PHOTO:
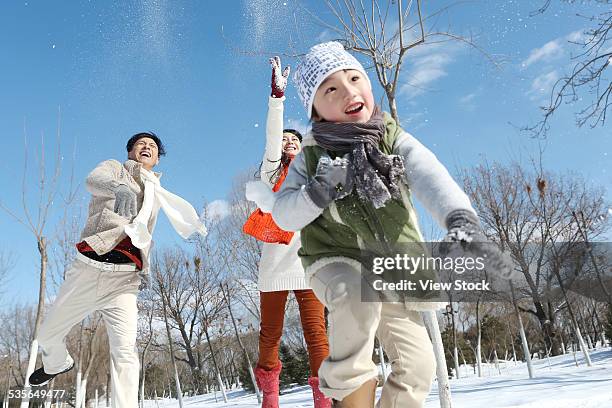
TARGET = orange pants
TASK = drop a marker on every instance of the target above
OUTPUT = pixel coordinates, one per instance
(271, 327)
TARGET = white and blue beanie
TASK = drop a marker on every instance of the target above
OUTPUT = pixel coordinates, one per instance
(322, 61)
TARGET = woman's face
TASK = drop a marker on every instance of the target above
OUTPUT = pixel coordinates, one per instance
(344, 96)
(291, 144)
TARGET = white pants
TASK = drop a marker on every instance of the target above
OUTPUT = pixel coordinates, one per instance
(354, 324)
(85, 290)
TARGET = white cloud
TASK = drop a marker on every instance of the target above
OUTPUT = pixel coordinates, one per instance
(543, 84)
(216, 210)
(427, 65)
(554, 49)
(467, 101)
(467, 98)
(548, 52)
(414, 120)
(576, 36)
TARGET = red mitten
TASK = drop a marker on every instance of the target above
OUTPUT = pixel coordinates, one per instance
(279, 79)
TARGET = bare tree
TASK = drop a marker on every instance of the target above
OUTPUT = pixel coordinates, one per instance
(35, 216)
(527, 211)
(208, 274)
(524, 341)
(227, 295)
(89, 335)
(165, 298)
(589, 79)
(172, 270)
(15, 337)
(240, 251)
(37, 223)
(7, 262)
(145, 337)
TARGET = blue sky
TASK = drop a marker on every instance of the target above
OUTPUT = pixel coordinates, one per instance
(196, 73)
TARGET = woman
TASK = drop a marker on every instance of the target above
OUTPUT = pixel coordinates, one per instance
(280, 269)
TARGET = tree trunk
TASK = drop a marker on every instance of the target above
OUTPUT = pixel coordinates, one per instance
(177, 382)
(83, 393)
(478, 340)
(526, 351)
(392, 106)
(142, 377)
(142, 364)
(383, 366)
(431, 322)
(31, 364)
(244, 350)
(77, 390)
(496, 361)
(573, 319)
(214, 360)
(49, 399)
(107, 388)
(455, 354)
(242, 347)
(583, 346)
(42, 250)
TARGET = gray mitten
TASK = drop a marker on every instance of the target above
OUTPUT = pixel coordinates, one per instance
(125, 201)
(464, 229)
(333, 180)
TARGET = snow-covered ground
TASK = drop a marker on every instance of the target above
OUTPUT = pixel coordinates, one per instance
(558, 384)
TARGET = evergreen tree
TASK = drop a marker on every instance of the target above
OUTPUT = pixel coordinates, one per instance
(302, 367)
(289, 363)
(295, 366)
(492, 328)
(463, 349)
(245, 377)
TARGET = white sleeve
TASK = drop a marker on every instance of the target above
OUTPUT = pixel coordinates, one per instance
(104, 179)
(429, 180)
(274, 139)
(293, 208)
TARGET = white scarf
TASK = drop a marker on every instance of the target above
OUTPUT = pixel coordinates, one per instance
(181, 214)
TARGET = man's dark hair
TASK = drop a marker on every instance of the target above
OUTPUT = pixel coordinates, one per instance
(160, 146)
(293, 132)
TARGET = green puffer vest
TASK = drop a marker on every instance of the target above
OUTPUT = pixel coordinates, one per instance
(350, 226)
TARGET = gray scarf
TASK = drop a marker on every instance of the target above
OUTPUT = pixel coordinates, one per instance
(377, 175)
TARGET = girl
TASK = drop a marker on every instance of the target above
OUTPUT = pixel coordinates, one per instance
(280, 269)
(349, 191)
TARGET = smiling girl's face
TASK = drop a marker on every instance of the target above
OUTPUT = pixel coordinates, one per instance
(344, 96)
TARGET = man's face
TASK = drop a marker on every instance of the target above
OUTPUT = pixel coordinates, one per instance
(344, 96)
(146, 152)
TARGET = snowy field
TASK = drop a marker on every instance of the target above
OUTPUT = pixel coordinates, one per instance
(558, 384)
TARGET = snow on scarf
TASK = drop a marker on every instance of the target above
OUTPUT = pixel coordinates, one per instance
(377, 175)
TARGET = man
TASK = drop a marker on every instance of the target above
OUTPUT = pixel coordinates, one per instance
(109, 264)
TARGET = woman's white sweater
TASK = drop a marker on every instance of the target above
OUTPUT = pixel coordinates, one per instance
(280, 267)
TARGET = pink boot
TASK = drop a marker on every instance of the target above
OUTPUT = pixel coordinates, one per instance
(268, 383)
(320, 400)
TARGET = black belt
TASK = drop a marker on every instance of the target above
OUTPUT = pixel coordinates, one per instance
(113, 256)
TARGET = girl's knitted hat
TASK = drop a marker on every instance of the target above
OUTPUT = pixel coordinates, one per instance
(322, 61)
